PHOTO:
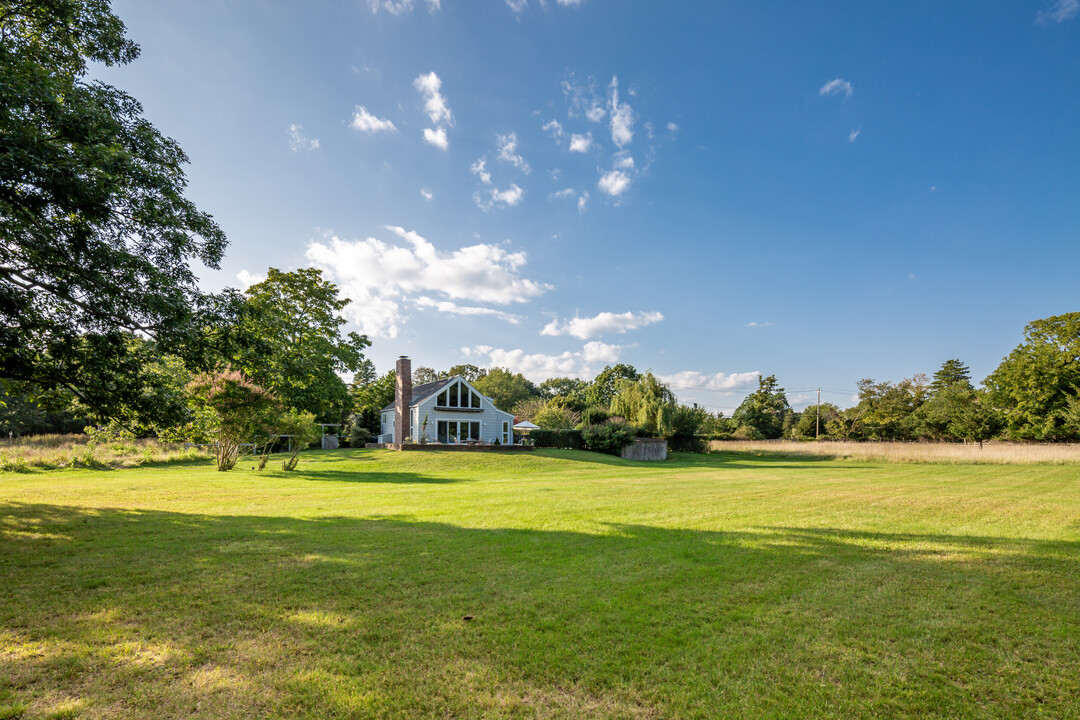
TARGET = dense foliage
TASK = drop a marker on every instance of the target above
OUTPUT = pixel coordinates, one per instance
(97, 236)
(297, 348)
(610, 438)
(566, 439)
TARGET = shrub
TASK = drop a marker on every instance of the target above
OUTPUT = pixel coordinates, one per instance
(610, 438)
(359, 436)
(594, 416)
(688, 443)
(566, 439)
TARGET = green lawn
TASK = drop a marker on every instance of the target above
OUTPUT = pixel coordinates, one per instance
(707, 586)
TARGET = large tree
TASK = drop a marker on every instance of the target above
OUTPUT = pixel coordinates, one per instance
(505, 388)
(294, 317)
(764, 409)
(1034, 384)
(602, 389)
(97, 236)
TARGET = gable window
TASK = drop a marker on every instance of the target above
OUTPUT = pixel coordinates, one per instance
(458, 395)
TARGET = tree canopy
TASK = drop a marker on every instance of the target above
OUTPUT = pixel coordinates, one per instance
(763, 410)
(1033, 384)
(97, 234)
(505, 388)
(294, 319)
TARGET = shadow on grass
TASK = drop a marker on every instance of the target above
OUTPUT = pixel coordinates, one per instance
(159, 614)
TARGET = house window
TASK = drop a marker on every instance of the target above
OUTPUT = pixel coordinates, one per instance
(506, 433)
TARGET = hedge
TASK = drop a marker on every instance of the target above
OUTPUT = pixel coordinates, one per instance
(566, 439)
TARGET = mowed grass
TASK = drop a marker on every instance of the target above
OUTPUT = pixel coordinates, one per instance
(707, 586)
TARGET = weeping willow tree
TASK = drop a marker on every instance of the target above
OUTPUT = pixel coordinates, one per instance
(647, 403)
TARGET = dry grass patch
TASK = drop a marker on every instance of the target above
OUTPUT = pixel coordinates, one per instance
(55, 452)
(989, 453)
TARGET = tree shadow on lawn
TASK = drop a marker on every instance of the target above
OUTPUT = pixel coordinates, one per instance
(159, 614)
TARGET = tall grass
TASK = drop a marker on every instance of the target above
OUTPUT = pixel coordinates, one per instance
(48, 452)
(989, 453)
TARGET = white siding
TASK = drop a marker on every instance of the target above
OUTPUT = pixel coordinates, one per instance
(491, 418)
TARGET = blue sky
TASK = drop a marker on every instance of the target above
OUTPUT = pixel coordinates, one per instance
(820, 191)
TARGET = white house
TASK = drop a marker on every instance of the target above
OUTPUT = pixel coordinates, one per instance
(445, 411)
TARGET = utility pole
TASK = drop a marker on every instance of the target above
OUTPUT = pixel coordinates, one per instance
(817, 429)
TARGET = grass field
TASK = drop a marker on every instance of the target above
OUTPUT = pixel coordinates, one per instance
(707, 586)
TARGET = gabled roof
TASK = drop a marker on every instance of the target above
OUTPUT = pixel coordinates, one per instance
(423, 392)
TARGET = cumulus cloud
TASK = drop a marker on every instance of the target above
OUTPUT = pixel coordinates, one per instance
(854, 135)
(1059, 12)
(758, 324)
(672, 127)
(838, 86)
(400, 7)
(622, 117)
(507, 145)
(582, 99)
(394, 7)
(693, 380)
(614, 183)
(494, 197)
(605, 322)
(581, 143)
(297, 140)
(437, 138)
(435, 105)
(445, 306)
(427, 193)
(366, 122)
(379, 276)
(479, 169)
(518, 6)
(554, 127)
(539, 367)
(582, 202)
(248, 279)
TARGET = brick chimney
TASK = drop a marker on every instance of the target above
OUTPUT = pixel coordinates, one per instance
(402, 399)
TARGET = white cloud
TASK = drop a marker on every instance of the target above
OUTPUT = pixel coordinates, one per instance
(672, 127)
(854, 134)
(566, 193)
(510, 196)
(394, 7)
(623, 161)
(518, 6)
(837, 87)
(437, 138)
(427, 193)
(434, 5)
(581, 143)
(567, 3)
(555, 128)
(507, 145)
(622, 118)
(297, 140)
(366, 122)
(693, 380)
(605, 322)
(445, 306)
(378, 276)
(758, 324)
(583, 99)
(479, 169)
(539, 367)
(248, 279)
(582, 202)
(614, 183)
(435, 105)
(1059, 12)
